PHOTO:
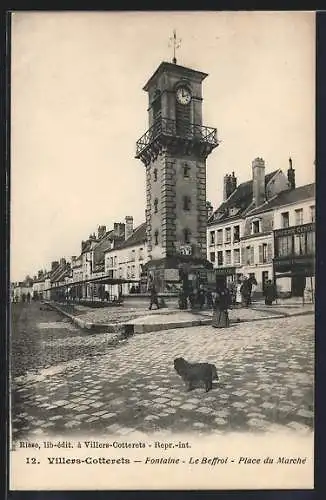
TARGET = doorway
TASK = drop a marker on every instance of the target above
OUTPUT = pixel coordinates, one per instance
(298, 284)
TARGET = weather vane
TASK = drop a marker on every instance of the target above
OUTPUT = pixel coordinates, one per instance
(175, 42)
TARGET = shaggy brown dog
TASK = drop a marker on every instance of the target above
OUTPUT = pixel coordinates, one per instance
(193, 373)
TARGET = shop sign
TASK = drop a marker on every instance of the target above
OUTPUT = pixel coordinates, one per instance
(171, 275)
(225, 271)
(288, 231)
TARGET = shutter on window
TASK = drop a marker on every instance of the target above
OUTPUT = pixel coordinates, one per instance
(252, 256)
(260, 248)
(269, 252)
(243, 256)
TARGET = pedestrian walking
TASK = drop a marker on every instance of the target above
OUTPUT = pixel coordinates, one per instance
(222, 304)
(154, 298)
(210, 302)
(238, 296)
(245, 291)
(269, 293)
(201, 297)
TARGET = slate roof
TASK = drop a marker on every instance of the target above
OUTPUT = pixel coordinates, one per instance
(138, 236)
(240, 199)
(60, 273)
(287, 197)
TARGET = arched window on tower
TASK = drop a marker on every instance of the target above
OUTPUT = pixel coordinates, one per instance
(156, 237)
(186, 235)
(155, 205)
(186, 202)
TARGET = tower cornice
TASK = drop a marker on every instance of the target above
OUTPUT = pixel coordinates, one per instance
(183, 71)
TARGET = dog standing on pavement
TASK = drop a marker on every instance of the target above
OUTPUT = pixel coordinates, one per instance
(194, 373)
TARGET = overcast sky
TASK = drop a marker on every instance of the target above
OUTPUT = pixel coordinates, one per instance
(78, 108)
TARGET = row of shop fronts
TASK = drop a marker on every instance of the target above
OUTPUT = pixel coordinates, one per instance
(292, 268)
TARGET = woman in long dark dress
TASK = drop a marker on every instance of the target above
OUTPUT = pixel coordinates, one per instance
(269, 293)
(222, 303)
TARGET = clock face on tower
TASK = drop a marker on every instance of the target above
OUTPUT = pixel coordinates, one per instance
(183, 95)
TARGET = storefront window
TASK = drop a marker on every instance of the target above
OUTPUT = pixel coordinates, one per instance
(284, 246)
(299, 244)
(310, 243)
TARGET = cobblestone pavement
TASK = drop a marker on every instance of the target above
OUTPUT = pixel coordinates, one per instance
(40, 339)
(266, 382)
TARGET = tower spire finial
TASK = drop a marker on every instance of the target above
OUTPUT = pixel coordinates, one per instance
(175, 42)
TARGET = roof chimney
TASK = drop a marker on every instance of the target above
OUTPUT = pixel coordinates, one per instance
(54, 265)
(291, 175)
(129, 226)
(209, 208)
(230, 185)
(258, 182)
(101, 230)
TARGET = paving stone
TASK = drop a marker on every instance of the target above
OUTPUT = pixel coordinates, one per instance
(161, 400)
(259, 423)
(187, 406)
(268, 406)
(299, 427)
(205, 410)
(239, 404)
(96, 405)
(220, 421)
(305, 413)
(92, 419)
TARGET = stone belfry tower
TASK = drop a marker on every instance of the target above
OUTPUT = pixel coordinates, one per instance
(174, 151)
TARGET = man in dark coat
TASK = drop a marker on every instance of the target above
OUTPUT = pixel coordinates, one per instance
(245, 291)
(154, 298)
(222, 303)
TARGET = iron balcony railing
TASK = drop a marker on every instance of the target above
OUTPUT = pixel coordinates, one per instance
(172, 128)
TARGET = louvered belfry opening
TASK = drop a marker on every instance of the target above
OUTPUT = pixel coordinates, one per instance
(157, 113)
(183, 119)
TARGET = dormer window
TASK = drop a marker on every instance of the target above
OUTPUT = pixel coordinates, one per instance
(255, 227)
(155, 205)
(186, 203)
(236, 234)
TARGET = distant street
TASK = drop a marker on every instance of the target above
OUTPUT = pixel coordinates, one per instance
(65, 380)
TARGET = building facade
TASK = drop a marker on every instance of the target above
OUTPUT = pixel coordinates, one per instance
(125, 261)
(239, 239)
(294, 243)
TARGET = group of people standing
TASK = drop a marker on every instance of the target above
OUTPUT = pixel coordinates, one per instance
(25, 297)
